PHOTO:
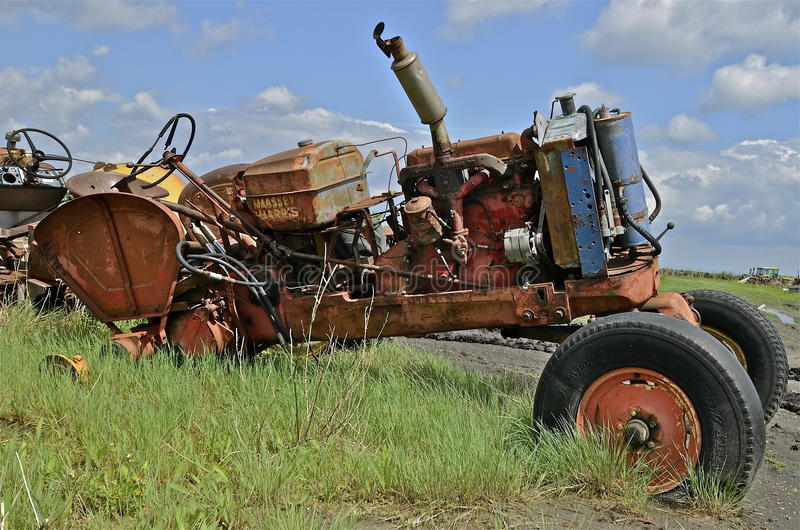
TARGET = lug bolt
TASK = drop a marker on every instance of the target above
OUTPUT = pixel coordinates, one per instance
(634, 412)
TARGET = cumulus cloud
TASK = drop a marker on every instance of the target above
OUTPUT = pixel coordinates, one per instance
(590, 93)
(461, 16)
(56, 95)
(216, 34)
(683, 129)
(741, 202)
(753, 84)
(144, 105)
(691, 33)
(108, 15)
(226, 156)
(69, 100)
(275, 97)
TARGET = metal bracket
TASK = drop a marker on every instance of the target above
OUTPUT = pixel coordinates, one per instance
(579, 180)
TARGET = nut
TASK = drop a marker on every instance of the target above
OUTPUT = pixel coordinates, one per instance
(528, 315)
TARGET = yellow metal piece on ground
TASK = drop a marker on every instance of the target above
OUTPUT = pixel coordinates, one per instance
(173, 184)
(302, 349)
(77, 367)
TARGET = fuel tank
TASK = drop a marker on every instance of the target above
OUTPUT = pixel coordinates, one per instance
(304, 188)
(617, 142)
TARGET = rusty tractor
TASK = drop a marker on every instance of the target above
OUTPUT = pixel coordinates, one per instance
(524, 232)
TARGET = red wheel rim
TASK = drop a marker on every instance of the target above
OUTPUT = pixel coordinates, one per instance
(652, 414)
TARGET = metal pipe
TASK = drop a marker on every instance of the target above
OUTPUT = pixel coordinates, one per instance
(417, 85)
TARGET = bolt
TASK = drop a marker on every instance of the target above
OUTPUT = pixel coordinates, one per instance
(528, 315)
(650, 445)
(634, 412)
(560, 312)
(652, 424)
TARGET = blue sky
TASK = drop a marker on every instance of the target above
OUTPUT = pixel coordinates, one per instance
(713, 87)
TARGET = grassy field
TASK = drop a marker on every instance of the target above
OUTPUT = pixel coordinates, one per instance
(772, 296)
(381, 433)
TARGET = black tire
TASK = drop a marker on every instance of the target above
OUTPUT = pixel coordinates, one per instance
(727, 405)
(758, 339)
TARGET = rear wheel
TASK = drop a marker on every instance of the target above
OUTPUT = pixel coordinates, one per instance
(751, 338)
(663, 386)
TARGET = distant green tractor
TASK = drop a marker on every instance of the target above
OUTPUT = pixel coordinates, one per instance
(763, 275)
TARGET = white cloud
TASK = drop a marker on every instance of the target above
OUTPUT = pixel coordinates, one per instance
(691, 33)
(215, 34)
(77, 135)
(461, 16)
(106, 15)
(753, 84)
(101, 50)
(682, 129)
(144, 105)
(275, 98)
(69, 100)
(743, 202)
(590, 93)
(225, 156)
(55, 96)
(719, 212)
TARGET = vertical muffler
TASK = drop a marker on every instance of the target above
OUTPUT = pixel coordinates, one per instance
(409, 70)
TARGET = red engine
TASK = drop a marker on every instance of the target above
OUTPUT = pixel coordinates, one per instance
(458, 232)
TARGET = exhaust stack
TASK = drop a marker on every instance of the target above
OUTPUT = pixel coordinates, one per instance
(409, 70)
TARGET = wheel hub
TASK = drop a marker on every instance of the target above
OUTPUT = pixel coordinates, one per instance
(652, 415)
(636, 433)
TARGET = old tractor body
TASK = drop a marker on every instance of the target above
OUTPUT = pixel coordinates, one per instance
(524, 232)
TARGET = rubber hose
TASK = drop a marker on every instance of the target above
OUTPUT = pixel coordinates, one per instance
(654, 191)
(264, 301)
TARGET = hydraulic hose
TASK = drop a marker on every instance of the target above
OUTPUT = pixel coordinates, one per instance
(623, 210)
(213, 275)
(654, 191)
(248, 280)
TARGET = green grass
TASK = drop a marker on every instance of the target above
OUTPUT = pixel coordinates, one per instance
(712, 496)
(772, 296)
(378, 433)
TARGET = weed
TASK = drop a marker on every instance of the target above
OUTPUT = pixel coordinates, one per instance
(284, 441)
(712, 495)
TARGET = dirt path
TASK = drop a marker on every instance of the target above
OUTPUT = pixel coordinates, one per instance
(774, 500)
